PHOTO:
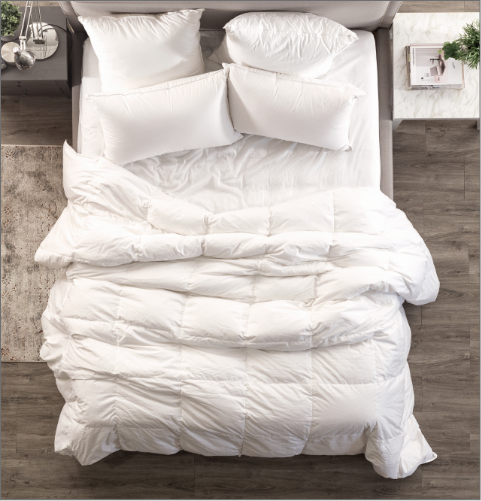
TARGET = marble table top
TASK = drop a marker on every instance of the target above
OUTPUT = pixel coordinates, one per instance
(431, 103)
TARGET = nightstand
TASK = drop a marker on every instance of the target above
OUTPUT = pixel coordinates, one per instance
(46, 77)
(431, 103)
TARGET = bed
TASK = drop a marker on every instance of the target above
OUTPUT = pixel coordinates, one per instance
(238, 299)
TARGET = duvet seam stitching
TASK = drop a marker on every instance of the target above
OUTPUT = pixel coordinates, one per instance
(116, 372)
(182, 426)
(246, 386)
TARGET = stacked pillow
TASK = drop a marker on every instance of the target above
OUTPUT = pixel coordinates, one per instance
(283, 42)
(183, 114)
(138, 51)
(157, 99)
(289, 107)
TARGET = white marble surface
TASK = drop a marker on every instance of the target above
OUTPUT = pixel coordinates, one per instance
(435, 103)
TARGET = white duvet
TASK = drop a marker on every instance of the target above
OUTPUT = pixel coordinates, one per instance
(268, 331)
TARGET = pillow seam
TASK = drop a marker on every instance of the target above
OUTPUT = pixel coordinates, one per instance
(136, 91)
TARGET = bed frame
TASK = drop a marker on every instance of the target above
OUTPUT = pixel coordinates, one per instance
(375, 16)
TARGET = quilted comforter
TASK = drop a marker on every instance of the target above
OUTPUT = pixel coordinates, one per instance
(269, 331)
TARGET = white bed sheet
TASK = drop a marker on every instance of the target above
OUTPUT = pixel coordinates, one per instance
(258, 171)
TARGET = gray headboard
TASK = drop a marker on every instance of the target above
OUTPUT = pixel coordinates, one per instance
(358, 14)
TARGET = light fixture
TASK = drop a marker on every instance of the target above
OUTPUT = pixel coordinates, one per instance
(43, 40)
(24, 59)
(38, 40)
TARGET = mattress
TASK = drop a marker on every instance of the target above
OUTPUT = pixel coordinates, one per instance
(258, 171)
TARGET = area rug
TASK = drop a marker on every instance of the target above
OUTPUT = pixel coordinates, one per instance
(32, 200)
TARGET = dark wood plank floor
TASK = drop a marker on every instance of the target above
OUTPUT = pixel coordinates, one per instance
(436, 182)
(36, 120)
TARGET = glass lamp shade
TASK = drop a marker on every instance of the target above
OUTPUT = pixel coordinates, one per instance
(43, 40)
(24, 59)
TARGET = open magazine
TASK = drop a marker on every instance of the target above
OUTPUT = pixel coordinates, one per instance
(427, 68)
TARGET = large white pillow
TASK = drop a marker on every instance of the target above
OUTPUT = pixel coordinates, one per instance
(285, 42)
(291, 107)
(184, 114)
(138, 51)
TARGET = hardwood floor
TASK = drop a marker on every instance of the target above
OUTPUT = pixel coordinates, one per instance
(36, 120)
(436, 182)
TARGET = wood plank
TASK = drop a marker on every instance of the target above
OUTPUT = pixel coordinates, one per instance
(474, 264)
(36, 120)
(451, 436)
(451, 259)
(36, 425)
(32, 381)
(451, 393)
(446, 125)
(410, 136)
(471, 171)
(300, 477)
(452, 139)
(474, 349)
(474, 442)
(449, 431)
(431, 6)
(9, 428)
(440, 349)
(470, 6)
(451, 223)
(123, 475)
(449, 485)
(428, 178)
(456, 304)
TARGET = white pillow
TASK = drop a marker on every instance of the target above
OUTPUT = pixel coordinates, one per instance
(284, 42)
(174, 116)
(290, 107)
(139, 51)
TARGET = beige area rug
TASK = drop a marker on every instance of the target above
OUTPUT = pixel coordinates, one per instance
(32, 201)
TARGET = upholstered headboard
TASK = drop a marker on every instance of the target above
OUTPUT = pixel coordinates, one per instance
(375, 16)
(361, 15)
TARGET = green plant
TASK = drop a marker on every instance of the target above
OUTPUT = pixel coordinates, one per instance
(466, 47)
(10, 18)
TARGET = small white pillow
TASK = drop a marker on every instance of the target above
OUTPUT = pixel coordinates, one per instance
(139, 51)
(173, 116)
(291, 108)
(285, 42)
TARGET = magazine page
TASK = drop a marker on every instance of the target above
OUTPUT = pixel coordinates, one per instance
(428, 67)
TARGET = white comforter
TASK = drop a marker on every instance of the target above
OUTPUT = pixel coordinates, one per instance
(268, 331)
